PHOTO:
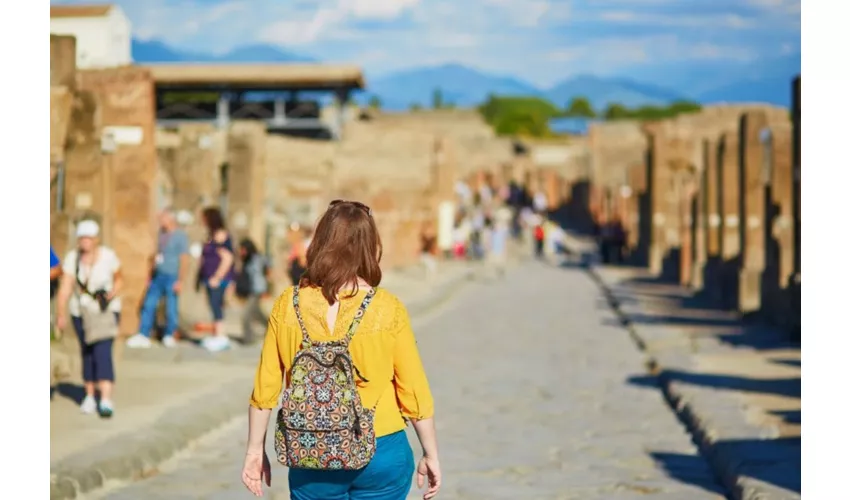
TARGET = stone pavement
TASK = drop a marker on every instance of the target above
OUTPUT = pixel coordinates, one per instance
(531, 379)
(167, 398)
(736, 385)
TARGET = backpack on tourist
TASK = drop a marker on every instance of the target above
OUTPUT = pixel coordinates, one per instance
(322, 424)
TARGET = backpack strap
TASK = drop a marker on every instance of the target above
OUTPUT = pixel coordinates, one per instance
(358, 316)
(305, 337)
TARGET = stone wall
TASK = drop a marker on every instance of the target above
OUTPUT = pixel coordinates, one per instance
(715, 202)
(125, 98)
(120, 188)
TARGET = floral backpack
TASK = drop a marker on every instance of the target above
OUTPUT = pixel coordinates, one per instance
(322, 423)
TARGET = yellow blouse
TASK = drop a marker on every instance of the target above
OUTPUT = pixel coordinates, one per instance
(383, 350)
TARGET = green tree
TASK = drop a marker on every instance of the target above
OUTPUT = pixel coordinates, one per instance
(415, 106)
(616, 111)
(681, 107)
(527, 116)
(437, 99)
(375, 102)
(580, 107)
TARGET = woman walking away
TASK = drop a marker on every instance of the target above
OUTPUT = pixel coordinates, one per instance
(251, 284)
(360, 398)
(90, 284)
(216, 273)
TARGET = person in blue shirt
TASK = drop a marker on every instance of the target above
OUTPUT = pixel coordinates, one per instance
(55, 267)
(169, 269)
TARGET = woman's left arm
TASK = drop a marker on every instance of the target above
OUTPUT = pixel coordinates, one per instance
(226, 256)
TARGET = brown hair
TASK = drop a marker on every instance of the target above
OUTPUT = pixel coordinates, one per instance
(345, 246)
(213, 220)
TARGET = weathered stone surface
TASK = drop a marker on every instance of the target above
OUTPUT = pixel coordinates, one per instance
(125, 98)
(730, 239)
(63, 61)
(752, 210)
(61, 103)
(246, 174)
(706, 382)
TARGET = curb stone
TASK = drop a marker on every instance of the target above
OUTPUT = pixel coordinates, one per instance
(133, 456)
(715, 419)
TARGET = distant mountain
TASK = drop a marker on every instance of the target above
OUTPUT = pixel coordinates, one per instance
(603, 91)
(766, 80)
(154, 51)
(459, 85)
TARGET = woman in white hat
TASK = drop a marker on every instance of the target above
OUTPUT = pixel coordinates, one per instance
(91, 282)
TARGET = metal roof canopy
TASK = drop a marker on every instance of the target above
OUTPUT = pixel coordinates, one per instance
(180, 76)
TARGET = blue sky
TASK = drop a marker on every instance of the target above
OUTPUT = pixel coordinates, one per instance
(542, 41)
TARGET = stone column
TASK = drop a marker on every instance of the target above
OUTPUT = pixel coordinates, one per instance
(689, 232)
(550, 189)
(126, 99)
(659, 189)
(246, 200)
(795, 288)
(700, 219)
(195, 174)
(636, 189)
(751, 211)
(223, 111)
(782, 180)
(797, 176)
(779, 245)
(730, 239)
(711, 219)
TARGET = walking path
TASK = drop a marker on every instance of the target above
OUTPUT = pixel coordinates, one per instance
(531, 377)
(166, 398)
(736, 385)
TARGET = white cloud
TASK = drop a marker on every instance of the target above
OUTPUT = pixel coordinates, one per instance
(678, 21)
(376, 9)
(327, 20)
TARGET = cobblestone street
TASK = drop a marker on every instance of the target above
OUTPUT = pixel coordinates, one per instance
(530, 376)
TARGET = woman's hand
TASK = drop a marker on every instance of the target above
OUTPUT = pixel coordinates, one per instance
(61, 322)
(214, 282)
(256, 471)
(429, 468)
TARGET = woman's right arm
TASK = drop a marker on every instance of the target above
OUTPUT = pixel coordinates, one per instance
(268, 382)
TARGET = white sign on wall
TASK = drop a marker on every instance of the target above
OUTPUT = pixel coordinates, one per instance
(124, 135)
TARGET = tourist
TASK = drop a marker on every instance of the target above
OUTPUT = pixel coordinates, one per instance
(252, 282)
(216, 273)
(55, 272)
(167, 275)
(90, 286)
(498, 252)
(55, 265)
(338, 301)
(539, 236)
(428, 249)
(297, 261)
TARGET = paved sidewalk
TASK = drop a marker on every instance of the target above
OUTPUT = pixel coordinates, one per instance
(737, 386)
(167, 398)
(531, 380)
